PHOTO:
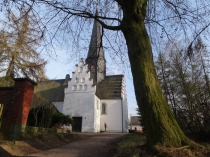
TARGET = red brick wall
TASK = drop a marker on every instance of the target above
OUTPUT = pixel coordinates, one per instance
(4, 93)
(16, 102)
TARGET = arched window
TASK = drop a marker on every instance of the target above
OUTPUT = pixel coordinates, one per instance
(74, 87)
(77, 80)
(81, 69)
(85, 87)
(83, 80)
(80, 87)
(103, 109)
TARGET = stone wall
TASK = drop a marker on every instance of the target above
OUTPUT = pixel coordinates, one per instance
(30, 129)
(16, 101)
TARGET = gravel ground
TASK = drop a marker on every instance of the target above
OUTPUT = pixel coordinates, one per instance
(94, 145)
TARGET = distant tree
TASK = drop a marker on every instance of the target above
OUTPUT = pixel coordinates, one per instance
(184, 81)
(142, 123)
(19, 39)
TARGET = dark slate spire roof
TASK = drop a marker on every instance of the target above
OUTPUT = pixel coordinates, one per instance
(95, 58)
(95, 47)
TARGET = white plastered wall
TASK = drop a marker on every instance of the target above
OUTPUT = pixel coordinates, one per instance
(97, 114)
(113, 116)
(81, 102)
(125, 106)
(116, 116)
(137, 127)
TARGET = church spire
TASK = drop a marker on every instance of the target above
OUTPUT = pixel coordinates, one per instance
(95, 58)
(95, 47)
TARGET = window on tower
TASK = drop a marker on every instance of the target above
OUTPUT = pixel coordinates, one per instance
(81, 69)
(92, 68)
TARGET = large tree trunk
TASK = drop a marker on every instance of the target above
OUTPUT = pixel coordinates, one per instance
(160, 124)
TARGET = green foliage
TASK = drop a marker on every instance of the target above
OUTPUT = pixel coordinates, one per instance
(60, 118)
(41, 116)
(6, 82)
(45, 114)
(141, 120)
(185, 84)
(132, 141)
(19, 39)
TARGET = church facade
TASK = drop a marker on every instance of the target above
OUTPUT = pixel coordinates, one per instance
(95, 101)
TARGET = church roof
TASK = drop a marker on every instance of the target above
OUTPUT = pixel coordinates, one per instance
(95, 48)
(135, 120)
(52, 90)
(110, 87)
(38, 100)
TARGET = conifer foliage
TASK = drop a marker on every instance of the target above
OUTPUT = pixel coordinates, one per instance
(19, 38)
(185, 84)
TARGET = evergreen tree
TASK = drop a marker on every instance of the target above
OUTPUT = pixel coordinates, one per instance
(186, 87)
(19, 39)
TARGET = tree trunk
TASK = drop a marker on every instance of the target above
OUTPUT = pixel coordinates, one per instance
(160, 124)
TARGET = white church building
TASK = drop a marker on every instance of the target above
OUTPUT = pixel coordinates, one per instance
(90, 97)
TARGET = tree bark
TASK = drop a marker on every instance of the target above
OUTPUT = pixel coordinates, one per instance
(160, 124)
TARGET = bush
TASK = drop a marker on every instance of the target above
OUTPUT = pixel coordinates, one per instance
(61, 119)
(47, 116)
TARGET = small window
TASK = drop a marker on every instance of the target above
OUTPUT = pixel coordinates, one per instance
(103, 109)
(80, 87)
(74, 87)
(85, 87)
(81, 69)
(83, 80)
(92, 68)
(77, 80)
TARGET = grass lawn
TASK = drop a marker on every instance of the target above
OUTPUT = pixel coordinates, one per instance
(129, 146)
(133, 145)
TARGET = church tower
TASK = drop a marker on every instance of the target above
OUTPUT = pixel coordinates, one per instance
(96, 58)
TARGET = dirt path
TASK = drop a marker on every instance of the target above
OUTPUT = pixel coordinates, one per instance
(95, 145)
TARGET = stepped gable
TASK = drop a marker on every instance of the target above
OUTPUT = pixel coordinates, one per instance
(52, 90)
(110, 87)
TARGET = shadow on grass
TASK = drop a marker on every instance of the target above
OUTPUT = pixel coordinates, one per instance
(130, 144)
(4, 153)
